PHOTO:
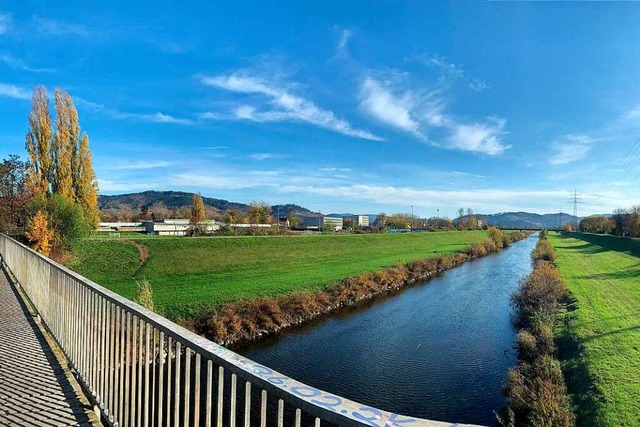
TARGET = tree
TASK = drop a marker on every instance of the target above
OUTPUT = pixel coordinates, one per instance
(38, 143)
(294, 221)
(86, 183)
(65, 145)
(259, 213)
(159, 211)
(39, 233)
(597, 224)
(347, 222)
(618, 218)
(13, 194)
(380, 221)
(197, 209)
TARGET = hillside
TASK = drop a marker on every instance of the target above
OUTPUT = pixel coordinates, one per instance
(526, 220)
(176, 199)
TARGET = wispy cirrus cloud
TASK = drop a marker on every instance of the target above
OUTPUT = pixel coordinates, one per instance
(19, 64)
(262, 156)
(343, 42)
(121, 164)
(16, 92)
(157, 117)
(570, 148)
(454, 72)
(5, 23)
(280, 104)
(54, 27)
(417, 112)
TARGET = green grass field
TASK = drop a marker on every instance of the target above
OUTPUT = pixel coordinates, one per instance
(603, 274)
(192, 275)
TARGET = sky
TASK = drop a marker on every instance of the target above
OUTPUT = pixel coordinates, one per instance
(358, 106)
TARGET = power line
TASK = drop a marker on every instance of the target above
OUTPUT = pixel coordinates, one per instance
(576, 201)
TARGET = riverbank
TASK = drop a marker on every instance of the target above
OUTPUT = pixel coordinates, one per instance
(192, 276)
(600, 333)
(251, 319)
(535, 389)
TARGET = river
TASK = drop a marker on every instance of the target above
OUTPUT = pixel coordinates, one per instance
(439, 350)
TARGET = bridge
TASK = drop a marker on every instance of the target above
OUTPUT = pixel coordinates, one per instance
(75, 353)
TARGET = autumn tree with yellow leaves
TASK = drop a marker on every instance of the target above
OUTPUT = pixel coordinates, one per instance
(61, 173)
(40, 234)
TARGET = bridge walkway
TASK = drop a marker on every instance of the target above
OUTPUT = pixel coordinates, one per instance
(35, 388)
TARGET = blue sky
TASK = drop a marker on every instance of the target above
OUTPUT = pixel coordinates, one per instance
(342, 106)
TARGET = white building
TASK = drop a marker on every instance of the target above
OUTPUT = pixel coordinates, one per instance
(360, 220)
(336, 221)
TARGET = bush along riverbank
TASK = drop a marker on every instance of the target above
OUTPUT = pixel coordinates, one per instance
(248, 320)
(536, 391)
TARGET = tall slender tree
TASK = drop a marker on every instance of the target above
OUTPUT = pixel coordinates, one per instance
(38, 143)
(65, 146)
(86, 183)
(197, 209)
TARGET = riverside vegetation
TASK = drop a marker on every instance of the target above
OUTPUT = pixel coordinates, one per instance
(248, 320)
(599, 335)
(535, 390)
(198, 279)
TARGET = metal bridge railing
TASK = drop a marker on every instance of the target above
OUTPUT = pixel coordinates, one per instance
(143, 370)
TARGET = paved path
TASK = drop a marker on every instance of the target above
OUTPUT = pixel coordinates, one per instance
(35, 390)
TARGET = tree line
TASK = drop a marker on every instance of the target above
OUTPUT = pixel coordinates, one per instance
(50, 199)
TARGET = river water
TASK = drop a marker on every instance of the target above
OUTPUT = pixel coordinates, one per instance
(439, 350)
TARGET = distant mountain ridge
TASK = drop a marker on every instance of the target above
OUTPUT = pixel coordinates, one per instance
(527, 220)
(176, 199)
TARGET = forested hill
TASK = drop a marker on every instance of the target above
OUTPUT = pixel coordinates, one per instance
(176, 199)
(527, 220)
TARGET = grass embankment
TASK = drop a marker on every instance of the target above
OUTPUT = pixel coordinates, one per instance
(191, 276)
(601, 331)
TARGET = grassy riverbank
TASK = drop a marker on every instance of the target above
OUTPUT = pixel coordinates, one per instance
(601, 337)
(190, 276)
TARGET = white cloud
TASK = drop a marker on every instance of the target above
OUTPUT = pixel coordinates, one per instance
(106, 185)
(285, 106)
(53, 27)
(479, 137)
(145, 117)
(334, 169)
(120, 164)
(570, 148)
(416, 112)
(19, 64)
(262, 156)
(12, 91)
(5, 23)
(343, 41)
(388, 108)
(478, 85)
(444, 65)
(633, 114)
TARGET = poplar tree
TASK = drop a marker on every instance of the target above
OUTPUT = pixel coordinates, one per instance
(86, 184)
(38, 143)
(197, 209)
(65, 146)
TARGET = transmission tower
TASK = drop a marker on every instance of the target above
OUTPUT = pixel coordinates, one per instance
(576, 201)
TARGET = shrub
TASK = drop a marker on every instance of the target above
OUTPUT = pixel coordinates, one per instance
(543, 252)
(538, 395)
(144, 294)
(496, 235)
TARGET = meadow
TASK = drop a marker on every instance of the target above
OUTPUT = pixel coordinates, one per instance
(600, 333)
(190, 276)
